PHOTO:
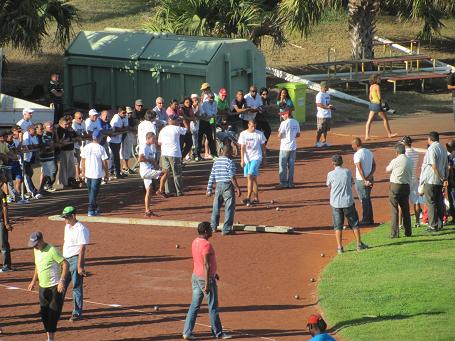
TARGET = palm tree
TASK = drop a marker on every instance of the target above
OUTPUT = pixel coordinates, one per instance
(362, 26)
(24, 23)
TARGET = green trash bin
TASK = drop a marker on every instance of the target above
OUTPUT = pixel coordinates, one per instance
(297, 92)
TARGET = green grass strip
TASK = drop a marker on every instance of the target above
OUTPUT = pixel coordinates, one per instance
(400, 289)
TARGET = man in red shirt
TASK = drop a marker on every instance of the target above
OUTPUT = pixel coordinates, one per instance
(204, 284)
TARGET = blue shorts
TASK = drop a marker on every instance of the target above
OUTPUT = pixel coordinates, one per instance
(16, 171)
(375, 107)
(252, 168)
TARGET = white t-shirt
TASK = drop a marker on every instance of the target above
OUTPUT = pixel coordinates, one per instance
(79, 128)
(75, 236)
(323, 98)
(253, 103)
(143, 128)
(169, 139)
(24, 124)
(288, 131)
(253, 144)
(29, 140)
(149, 152)
(94, 155)
(92, 126)
(117, 122)
(365, 158)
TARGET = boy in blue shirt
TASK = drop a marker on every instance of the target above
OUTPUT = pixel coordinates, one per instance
(317, 327)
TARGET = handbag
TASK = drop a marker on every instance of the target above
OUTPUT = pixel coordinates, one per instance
(385, 106)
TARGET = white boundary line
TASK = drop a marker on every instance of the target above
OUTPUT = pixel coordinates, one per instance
(119, 306)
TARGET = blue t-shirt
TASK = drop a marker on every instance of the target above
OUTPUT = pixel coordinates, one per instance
(322, 337)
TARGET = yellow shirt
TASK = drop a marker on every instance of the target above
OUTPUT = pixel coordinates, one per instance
(374, 94)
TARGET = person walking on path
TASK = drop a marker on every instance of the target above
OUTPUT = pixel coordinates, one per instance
(51, 269)
(94, 165)
(252, 153)
(365, 168)
(434, 179)
(342, 202)
(317, 327)
(400, 170)
(76, 239)
(375, 107)
(204, 284)
(223, 174)
(288, 132)
(5, 227)
(323, 116)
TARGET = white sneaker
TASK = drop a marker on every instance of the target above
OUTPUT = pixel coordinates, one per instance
(318, 145)
(38, 196)
(326, 144)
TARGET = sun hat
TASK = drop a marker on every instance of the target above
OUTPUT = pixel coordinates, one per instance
(129, 109)
(205, 86)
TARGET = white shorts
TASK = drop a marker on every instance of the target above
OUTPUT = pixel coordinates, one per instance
(149, 176)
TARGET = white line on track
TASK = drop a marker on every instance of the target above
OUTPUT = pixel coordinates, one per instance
(118, 306)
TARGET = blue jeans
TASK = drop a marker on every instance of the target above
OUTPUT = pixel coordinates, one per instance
(212, 303)
(93, 186)
(224, 193)
(338, 215)
(286, 165)
(78, 281)
(364, 194)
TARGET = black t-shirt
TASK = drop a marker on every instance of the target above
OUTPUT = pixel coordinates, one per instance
(68, 135)
(46, 140)
(139, 115)
(55, 86)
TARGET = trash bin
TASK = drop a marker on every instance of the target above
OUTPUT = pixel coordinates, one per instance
(297, 92)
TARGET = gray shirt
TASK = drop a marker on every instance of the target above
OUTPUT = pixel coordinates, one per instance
(400, 169)
(435, 155)
(340, 182)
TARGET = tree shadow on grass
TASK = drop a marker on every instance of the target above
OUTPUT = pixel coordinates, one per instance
(372, 319)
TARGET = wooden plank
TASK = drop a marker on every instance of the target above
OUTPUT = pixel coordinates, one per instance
(417, 76)
(414, 57)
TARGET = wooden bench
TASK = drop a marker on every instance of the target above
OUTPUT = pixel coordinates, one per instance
(408, 59)
(416, 76)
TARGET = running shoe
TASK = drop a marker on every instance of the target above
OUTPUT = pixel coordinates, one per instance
(340, 251)
(224, 336)
(318, 145)
(362, 246)
(189, 337)
(38, 196)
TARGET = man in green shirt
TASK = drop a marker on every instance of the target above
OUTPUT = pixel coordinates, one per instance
(222, 103)
(51, 270)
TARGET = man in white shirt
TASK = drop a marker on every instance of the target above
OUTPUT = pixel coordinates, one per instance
(92, 123)
(148, 125)
(252, 153)
(400, 170)
(323, 116)
(78, 126)
(365, 166)
(160, 111)
(288, 132)
(26, 120)
(171, 155)
(148, 169)
(30, 141)
(209, 110)
(253, 101)
(119, 126)
(94, 165)
(76, 239)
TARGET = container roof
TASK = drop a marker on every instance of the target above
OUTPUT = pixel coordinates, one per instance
(147, 46)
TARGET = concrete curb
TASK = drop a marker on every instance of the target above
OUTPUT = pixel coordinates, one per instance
(174, 223)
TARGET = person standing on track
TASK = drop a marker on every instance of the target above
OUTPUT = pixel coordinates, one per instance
(252, 153)
(51, 269)
(323, 116)
(342, 202)
(223, 174)
(5, 227)
(288, 132)
(204, 284)
(365, 168)
(76, 239)
(376, 108)
(400, 170)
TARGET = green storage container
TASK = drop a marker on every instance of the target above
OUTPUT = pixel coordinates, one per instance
(297, 92)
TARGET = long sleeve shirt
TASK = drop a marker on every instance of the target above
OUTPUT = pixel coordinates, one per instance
(223, 170)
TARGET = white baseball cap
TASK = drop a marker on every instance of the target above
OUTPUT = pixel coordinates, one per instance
(27, 110)
(194, 96)
(93, 112)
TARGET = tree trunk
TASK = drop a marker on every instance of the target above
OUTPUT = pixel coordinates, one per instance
(362, 27)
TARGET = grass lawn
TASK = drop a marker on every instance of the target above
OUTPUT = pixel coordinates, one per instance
(400, 289)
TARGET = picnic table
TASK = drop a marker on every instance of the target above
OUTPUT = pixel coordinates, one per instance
(407, 60)
(414, 76)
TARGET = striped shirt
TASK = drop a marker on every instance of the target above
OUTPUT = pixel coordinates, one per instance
(223, 170)
(414, 156)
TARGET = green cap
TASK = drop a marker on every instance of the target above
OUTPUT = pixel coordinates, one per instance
(67, 211)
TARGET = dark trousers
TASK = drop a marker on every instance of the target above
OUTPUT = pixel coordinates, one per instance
(58, 111)
(264, 126)
(115, 148)
(93, 187)
(451, 196)
(205, 128)
(399, 196)
(28, 174)
(435, 203)
(186, 143)
(6, 251)
(51, 303)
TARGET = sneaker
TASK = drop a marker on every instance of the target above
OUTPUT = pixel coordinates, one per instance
(6, 270)
(318, 145)
(131, 171)
(38, 196)
(340, 251)
(75, 318)
(188, 337)
(92, 214)
(362, 246)
(51, 189)
(120, 176)
(417, 225)
(228, 233)
(97, 211)
(11, 200)
(224, 336)
(326, 144)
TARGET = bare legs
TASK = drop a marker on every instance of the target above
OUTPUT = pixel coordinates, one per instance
(252, 188)
(385, 120)
(339, 236)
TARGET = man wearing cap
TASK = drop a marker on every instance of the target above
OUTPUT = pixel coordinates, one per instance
(414, 196)
(139, 110)
(51, 270)
(288, 132)
(5, 227)
(26, 120)
(317, 327)
(76, 239)
(400, 170)
(207, 118)
(94, 165)
(342, 202)
(323, 116)
(206, 92)
(92, 123)
(171, 154)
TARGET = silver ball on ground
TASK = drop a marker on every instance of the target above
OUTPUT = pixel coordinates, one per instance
(177, 246)
(277, 208)
(248, 204)
(311, 279)
(296, 297)
(272, 201)
(156, 308)
(322, 255)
